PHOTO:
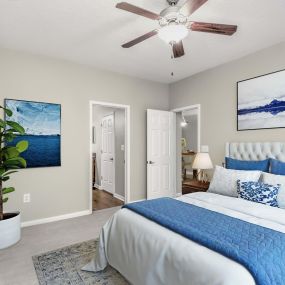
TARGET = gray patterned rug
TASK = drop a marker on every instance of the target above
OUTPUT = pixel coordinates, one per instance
(62, 267)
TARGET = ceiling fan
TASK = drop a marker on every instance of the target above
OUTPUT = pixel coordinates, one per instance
(175, 24)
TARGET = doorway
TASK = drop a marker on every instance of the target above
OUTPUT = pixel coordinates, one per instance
(188, 125)
(109, 155)
(173, 139)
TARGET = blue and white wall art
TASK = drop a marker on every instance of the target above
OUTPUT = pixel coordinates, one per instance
(42, 123)
(261, 102)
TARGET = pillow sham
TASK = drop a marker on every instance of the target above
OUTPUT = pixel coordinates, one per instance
(276, 179)
(262, 165)
(258, 192)
(277, 167)
(224, 181)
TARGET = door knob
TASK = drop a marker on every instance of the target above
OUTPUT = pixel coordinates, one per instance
(111, 158)
(151, 162)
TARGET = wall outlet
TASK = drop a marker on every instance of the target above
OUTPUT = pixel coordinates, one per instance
(122, 147)
(27, 198)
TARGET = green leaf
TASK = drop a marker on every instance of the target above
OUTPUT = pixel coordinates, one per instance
(8, 112)
(5, 178)
(8, 190)
(2, 171)
(2, 124)
(16, 127)
(15, 161)
(11, 131)
(22, 146)
(5, 200)
(22, 161)
(8, 173)
(9, 137)
(13, 167)
(11, 161)
(11, 152)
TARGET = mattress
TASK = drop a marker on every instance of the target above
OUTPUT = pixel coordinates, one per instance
(147, 253)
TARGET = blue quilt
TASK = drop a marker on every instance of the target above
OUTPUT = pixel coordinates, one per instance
(260, 250)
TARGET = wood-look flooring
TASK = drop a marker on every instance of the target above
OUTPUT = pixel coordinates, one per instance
(103, 200)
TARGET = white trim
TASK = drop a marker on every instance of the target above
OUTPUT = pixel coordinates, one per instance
(107, 191)
(99, 187)
(55, 218)
(118, 196)
(191, 107)
(187, 108)
(127, 146)
(227, 151)
(173, 151)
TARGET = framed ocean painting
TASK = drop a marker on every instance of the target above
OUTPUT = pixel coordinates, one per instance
(42, 124)
(261, 102)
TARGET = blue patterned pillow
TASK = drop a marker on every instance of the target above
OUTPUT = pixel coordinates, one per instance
(258, 192)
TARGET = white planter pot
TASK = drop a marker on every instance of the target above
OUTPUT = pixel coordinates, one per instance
(10, 229)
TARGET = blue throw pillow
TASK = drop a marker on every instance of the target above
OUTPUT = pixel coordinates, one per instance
(262, 165)
(258, 192)
(277, 167)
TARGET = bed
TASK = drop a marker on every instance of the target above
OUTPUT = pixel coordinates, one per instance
(146, 253)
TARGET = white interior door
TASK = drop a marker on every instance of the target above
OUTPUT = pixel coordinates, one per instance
(107, 154)
(160, 154)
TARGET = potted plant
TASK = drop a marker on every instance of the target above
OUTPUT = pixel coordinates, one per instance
(10, 160)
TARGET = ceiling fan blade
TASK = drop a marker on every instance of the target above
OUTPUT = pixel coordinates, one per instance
(191, 6)
(137, 10)
(140, 39)
(221, 29)
(178, 49)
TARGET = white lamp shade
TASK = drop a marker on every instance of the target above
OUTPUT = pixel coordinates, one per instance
(173, 33)
(202, 161)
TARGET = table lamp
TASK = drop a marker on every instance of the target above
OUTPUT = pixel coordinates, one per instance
(202, 162)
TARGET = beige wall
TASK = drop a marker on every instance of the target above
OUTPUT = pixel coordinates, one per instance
(215, 90)
(62, 190)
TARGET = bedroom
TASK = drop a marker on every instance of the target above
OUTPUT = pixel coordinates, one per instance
(69, 53)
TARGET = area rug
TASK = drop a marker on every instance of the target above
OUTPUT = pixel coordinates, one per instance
(63, 267)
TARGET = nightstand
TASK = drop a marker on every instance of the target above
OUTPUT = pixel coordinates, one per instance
(191, 186)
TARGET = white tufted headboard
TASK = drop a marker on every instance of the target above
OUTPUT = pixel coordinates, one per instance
(256, 150)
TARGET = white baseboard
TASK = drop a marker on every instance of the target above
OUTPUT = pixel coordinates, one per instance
(178, 194)
(55, 219)
(98, 186)
(120, 197)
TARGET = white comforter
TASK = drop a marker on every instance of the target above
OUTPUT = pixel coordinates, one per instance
(149, 254)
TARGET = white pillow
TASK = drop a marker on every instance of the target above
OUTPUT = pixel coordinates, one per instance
(276, 179)
(224, 181)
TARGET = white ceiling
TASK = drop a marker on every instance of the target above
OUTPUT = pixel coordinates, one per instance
(91, 32)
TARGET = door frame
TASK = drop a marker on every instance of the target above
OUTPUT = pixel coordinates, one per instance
(127, 146)
(187, 108)
(114, 154)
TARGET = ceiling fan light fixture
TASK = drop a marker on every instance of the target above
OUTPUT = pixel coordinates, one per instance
(173, 33)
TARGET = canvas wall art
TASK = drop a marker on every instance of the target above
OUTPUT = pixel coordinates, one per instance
(261, 102)
(42, 123)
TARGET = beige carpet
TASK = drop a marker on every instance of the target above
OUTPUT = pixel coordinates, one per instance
(16, 265)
